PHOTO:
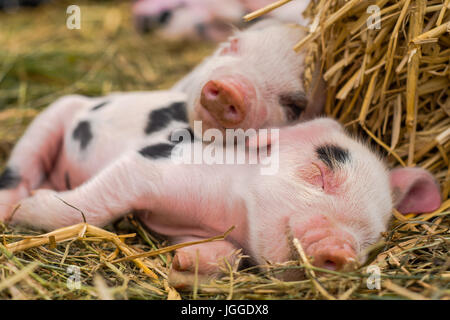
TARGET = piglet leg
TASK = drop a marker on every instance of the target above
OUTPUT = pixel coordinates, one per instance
(34, 155)
(106, 197)
(211, 259)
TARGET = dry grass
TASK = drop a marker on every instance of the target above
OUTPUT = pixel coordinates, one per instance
(399, 97)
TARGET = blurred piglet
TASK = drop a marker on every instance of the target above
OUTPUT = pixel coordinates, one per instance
(254, 80)
(310, 181)
(206, 19)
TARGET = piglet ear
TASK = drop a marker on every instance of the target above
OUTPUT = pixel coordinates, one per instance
(414, 190)
(230, 47)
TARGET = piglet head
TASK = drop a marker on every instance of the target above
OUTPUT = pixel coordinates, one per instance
(332, 193)
(254, 80)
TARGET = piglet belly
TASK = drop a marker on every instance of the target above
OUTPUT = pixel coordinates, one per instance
(74, 167)
(172, 224)
(201, 217)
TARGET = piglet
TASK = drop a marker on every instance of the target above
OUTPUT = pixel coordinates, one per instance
(206, 19)
(311, 181)
(253, 80)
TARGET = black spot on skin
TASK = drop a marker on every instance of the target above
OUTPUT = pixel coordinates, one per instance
(99, 106)
(67, 181)
(179, 111)
(165, 16)
(182, 138)
(83, 134)
(160, 119)
(157, 151)
(293, 103)
(201, 30)
(9, 179)
(332, 155)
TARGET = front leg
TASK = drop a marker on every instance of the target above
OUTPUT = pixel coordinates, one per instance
(115, 191)
(35, 153)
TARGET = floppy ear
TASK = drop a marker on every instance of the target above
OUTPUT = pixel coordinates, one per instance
(414, 190)
(230, 47)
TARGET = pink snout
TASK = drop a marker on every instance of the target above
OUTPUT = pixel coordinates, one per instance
(332, 254)
(226, 102)
(329, 247)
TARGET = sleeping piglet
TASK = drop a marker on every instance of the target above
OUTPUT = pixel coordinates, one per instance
(254, 80)
(206, 19)
(328, 190)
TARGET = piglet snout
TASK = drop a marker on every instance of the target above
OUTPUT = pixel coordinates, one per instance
(332, 253)
(329, 245)
(225, 101)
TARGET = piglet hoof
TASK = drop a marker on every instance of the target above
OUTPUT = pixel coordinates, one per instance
(186, 280)
(182, 274)
(182, 262)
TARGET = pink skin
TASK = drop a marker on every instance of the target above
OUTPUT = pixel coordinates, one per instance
(335, 214)
(253, 80)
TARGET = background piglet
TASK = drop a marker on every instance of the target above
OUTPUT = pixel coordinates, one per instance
(253, 80)
(206, 19)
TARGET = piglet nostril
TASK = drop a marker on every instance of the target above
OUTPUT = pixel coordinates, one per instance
(232, 114)
(232, 110)
(333, 255)
(330, 262)
(211, 90)
(330, 265)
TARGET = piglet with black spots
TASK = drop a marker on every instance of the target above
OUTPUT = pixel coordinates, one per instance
(206, 19)
(330, 191)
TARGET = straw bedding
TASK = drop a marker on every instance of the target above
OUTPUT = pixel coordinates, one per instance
(389, 84)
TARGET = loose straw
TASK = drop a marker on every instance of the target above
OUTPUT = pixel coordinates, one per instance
(309, 272)
(266, 9)
(75, 232)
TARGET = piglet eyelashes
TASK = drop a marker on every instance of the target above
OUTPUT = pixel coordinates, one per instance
(320, 175)
(315, 176)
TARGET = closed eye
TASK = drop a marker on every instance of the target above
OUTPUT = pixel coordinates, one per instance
(314, 175)
(293, 103)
